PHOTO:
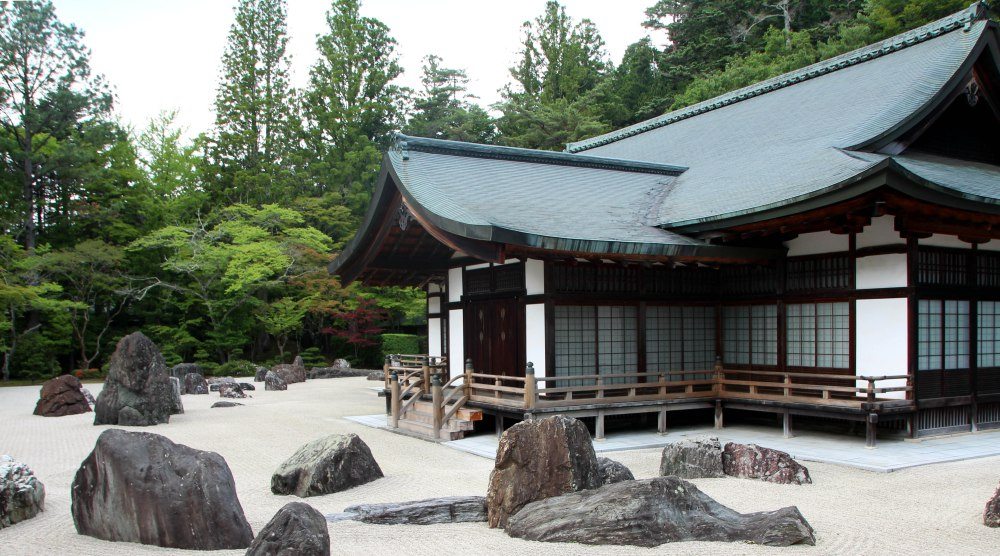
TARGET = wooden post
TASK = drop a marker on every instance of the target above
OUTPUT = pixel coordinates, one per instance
(467, 381)
(499, 423)
(661, 421)
(786, 389)
(718, 414)
(870, 426)
(395, 401)
(871, 390)
(599, 426)
(600, 387)
(425, 373)
(385, 369)
(717, 387)
(437, 410)
(530, 387)
(786, 422)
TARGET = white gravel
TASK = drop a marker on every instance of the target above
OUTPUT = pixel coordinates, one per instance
(933, 509)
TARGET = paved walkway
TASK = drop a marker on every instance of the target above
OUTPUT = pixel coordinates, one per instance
(889, 455)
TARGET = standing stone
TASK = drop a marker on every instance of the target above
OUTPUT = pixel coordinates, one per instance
(539, 459)
(652, 512)
(693, 458)
(296, 372)
(195, 383)
(141, 487)
(750, 461)
(991, 515)
(612, 471)
(61, 396)
(22, 496)
(297, 529)
(260, 373)
(329, 464)
(181, 370)
(178, 406)
(274, 382)
(137, 391)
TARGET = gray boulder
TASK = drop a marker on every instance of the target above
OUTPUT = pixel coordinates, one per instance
(750, 461)
(246, 386)
(260, 373)
(137, 391)
(452, 509)
(181, 370)
(342, 364)
(612, 471)
(652, 512)
(991, 515)
(227, 390)
(195, 383)
(538, 459)
(296, 530)
(141, 487)
(692, 458)
(376, 375)
(178, 405)
(329, 464)
(226, 404)
(22, 496)
(274, 382)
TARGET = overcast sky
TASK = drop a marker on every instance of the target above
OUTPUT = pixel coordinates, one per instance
(165, 54)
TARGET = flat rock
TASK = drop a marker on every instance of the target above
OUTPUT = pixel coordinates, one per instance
(195, 384)
(226, 404)
(991, 515)
(612, 471)
(178, 406)
(452, 509)
(274, 382)
(334, 372)
(330, 464)
(22, 496)
(693, 458)
(652, 512)
(141, 487)
(538, 459)
(296, 530)
(137, 391)
(181, 370)
(61, 396)
(750, 461)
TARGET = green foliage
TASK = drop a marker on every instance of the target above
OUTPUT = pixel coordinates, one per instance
(235, 367)
(444, 111)
(400, 344)
(313, 357)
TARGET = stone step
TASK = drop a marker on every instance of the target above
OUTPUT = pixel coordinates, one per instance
(426, 431)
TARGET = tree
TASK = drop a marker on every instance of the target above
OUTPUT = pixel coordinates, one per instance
(635, 90)
(281, 319)
(352, 105)
(444, 109)
(171, 166)
(256, 116)
(46, 81)
(359, 326)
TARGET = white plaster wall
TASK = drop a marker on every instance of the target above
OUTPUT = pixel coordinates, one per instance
(476, 266)
(940, 240)
(880, 232)
(991, 245)
(456, 343)
(454, 284)
(815, 243)
(881, 271)
(534, 277)
(534, 333)
(434, 305)
(434, 337)
(433, 288)
(881, 341)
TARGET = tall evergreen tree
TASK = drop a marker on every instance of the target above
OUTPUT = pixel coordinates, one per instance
(444, 108)
(255, 125)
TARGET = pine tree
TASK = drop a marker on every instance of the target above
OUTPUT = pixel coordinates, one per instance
(444, 109)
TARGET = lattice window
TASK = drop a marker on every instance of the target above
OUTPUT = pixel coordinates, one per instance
(509, 277)
(819, 273)
(680, 339)
(988, 334)
(681, 281)
(749, 280)
(617, 341)
(575, 349)
(595, 279)
(942, 334)
(988, 269)
(818, 335)
(750, 335)
(478, 281)
(937, 267)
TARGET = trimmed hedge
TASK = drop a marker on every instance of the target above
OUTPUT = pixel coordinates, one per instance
(400, 343)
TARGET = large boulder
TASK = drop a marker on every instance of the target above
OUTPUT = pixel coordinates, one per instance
(991, 515)
(692, 458)
(296, 372)
(652, 512)
(194, 383)
(137, 391)
(274, 382)
(612, 471)
(750, 461)
(178, 406)
(181, 370)
(538, 459)
(61, 396)
(296, 530)
(141, 487)
(329, 464)
(22, 496)
(452, 509)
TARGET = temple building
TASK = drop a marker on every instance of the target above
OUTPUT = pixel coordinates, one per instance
(819, 244)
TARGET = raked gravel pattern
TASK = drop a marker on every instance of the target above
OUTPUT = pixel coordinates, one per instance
(925, 510)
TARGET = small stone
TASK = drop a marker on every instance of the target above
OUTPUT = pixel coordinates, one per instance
(330, 464)
(296, 530)
(612, 471)
(22, 496)
(246, 386)
(750, 461)
(692, 458)
(225, 404)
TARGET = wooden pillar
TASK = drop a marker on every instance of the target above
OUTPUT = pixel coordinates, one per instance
(786, 422)
(530, 387)
(871, 423)
(394, 401)
(718, 414)
(661, 421)
(974, 415)
(437, 410)
(425, 373)
(467, 381)
(385, 370)
(599, 426)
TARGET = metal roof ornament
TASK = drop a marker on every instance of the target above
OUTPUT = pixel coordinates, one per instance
(404, 217)
(972, 93)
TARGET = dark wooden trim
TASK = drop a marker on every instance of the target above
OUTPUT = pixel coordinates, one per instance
(911, 316)
(893, 249)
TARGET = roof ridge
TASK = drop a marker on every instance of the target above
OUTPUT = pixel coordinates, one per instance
(403, 144)
(962, 19)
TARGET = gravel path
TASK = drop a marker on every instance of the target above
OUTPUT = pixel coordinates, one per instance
(926, 510)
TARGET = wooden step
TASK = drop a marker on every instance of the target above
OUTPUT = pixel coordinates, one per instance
(426, 431)
(465, 413)
(426, 419)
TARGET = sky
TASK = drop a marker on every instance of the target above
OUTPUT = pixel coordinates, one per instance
(165, 54)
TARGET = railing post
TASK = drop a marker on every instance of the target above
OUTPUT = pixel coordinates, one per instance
(530, 387)
(425, 373)
(467, 381)
(394, 401)
(385, 369)
(871, 424)
(717, 387)
(871, 390)
(436, 404)
(786, 389)
(600, 388)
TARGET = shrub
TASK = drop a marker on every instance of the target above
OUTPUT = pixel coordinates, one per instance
(312, 357)
(236, 367)
(400, 343)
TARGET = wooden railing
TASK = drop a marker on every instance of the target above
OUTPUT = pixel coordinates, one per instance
(410, 377)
